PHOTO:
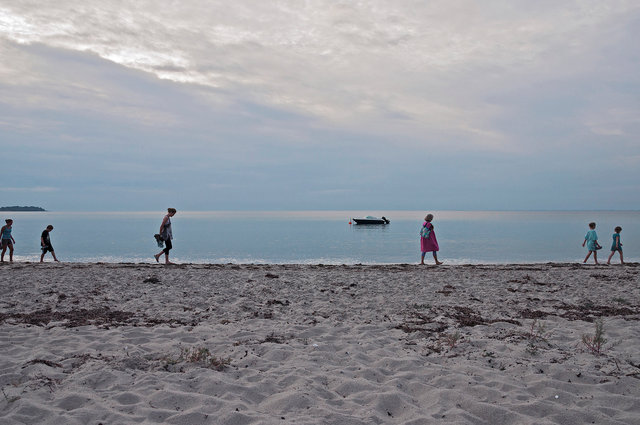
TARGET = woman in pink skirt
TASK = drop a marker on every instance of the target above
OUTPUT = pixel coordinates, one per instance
(428, 241)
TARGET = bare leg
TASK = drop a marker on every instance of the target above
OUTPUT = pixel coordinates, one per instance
(42, 256)
(621, 259)
(587, 257)
(54, 256)
(11, 253)
(435, 257)
(595, 256)
(610, 255)
(422, 260)
(2, 256)
(166, 255)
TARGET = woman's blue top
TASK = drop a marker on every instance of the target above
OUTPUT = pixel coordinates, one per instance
(6, 233)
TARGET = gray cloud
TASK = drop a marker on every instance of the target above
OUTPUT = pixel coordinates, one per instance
(351, 64)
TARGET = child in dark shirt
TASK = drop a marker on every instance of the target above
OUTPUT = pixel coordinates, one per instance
(45, 243)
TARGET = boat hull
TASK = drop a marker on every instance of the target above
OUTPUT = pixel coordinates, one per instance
(370, 221)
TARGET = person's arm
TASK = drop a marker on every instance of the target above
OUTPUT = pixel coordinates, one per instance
(164, 221)
(41, 241)
(618, 242)
(585, 241)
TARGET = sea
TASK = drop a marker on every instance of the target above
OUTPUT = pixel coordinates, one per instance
(323, 237)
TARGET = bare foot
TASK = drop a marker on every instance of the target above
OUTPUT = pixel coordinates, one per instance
(439, 262)
(168, 262)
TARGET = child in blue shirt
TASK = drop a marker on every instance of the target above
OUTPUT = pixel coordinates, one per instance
(591, 239)
(616, 245)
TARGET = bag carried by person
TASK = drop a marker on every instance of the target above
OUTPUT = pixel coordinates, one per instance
(159, 240)
(425, 231)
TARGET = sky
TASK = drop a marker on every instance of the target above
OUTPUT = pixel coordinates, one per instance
(137, 105)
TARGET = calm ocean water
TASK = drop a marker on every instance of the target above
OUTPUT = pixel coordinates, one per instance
(325, 237)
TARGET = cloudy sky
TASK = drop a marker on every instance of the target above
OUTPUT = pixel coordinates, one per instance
(318, 104)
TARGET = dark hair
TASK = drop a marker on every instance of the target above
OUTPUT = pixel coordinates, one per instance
(618, 229)
(171, 210)
(49, 227)
(592, 225)
(8, 221)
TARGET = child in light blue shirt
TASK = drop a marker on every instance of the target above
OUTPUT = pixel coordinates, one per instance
(591, 240)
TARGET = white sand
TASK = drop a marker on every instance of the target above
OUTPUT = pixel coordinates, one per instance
(101, 343)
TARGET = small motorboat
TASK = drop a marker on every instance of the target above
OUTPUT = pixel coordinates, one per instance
(371, 220)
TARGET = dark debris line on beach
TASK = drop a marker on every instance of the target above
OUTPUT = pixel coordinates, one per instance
(102, 316)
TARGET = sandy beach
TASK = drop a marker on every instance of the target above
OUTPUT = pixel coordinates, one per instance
(303, 344)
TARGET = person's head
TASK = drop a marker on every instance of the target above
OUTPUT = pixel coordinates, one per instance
(618, 229)
(428, 218)
(592, 225)
(49, 228)
(171, 211)
(9, 222)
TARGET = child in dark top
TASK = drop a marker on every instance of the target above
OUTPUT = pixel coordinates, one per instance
(616, 245)
(45, 243)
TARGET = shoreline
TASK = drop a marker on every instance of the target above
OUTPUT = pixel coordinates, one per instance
(353, 344)
(153, 263)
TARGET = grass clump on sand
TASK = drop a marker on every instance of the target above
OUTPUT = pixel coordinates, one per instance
(200, 356)
(595, 343)
(537, 334)
(451, 339)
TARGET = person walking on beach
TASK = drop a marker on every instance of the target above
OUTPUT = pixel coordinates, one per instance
(45, 244)
(166, 235)
(7, 240)
(616, 245)
(591, 240)
(428, 241)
